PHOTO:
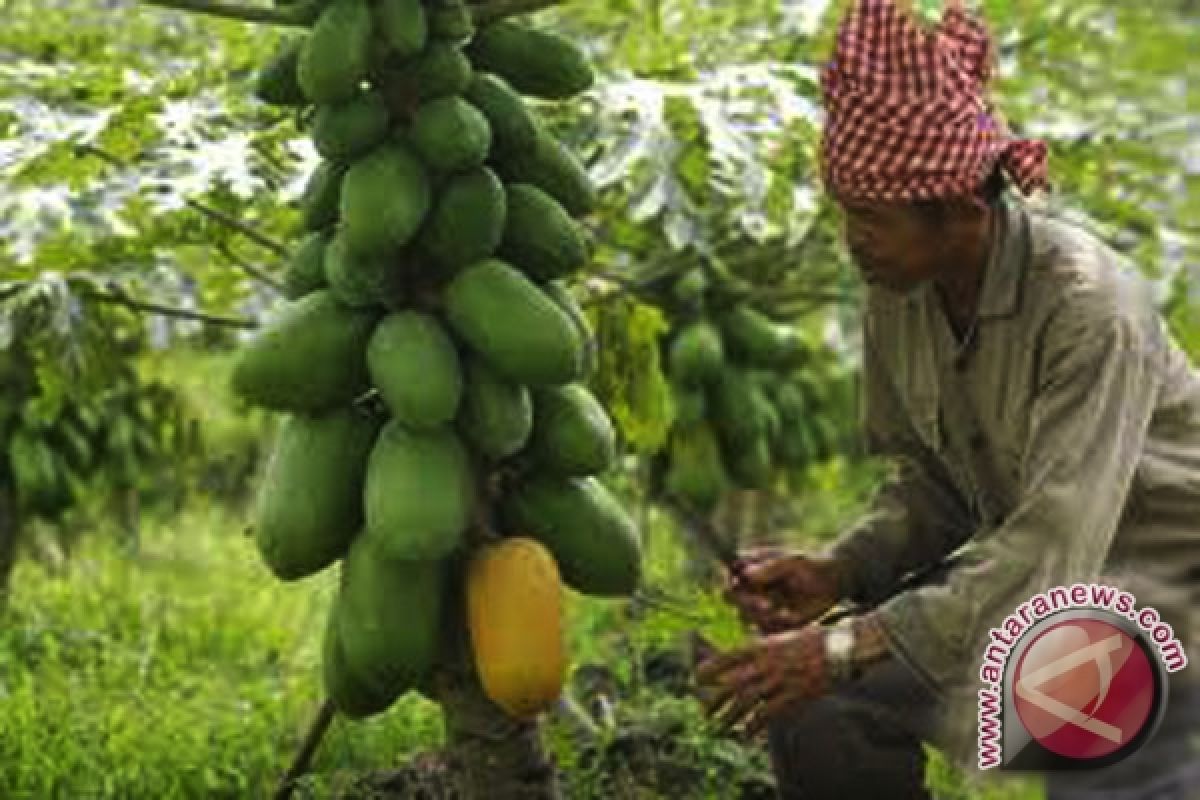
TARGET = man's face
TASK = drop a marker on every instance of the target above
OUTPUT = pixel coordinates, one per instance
(891, 245)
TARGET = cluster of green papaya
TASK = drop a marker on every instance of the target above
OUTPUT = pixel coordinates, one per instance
(431, 360)
(747, 405)
(122, 434)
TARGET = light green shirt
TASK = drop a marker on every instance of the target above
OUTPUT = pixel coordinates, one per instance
(1062, 443)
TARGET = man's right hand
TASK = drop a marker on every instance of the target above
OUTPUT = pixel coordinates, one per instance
(780, 591)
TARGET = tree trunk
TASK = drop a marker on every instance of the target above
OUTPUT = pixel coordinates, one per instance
(493, 756)
(10, 528)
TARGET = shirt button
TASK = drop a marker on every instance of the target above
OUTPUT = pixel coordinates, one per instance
(960, 365)
(977, 441)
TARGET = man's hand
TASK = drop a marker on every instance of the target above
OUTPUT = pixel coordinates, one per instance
(778, 591)
(772, 676)
(779, 674)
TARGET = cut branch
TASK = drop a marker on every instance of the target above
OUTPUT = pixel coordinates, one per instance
(298, 15)
(121, 299)
(308, 747)
(248, 268)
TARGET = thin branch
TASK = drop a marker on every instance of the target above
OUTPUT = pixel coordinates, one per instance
(249, 231)
(121, 299)
(248, 268)
(485, 13)
(300, 764)
(298, 15)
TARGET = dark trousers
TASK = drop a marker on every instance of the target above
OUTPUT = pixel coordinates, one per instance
(864, 742)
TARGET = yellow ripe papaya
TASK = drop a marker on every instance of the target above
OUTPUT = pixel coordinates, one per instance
(514, 613)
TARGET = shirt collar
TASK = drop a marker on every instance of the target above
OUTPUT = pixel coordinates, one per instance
(1007, 261)
(1000, 294)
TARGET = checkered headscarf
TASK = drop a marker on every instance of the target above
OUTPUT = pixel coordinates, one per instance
(906, 114)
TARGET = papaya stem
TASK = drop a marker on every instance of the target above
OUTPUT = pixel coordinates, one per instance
(300, 764)
(299, 15)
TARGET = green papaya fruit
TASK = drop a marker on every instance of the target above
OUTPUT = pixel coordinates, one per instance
(689, 289)
(563, 298)
(385, 197)
(512, 123)
(554, 169)
(349, 693)
(419, 492)
(347, 130)
(696, 354)
(572, 434)
(691, 406)
(451, 22)
(750, 336)
(467, 220)
(516, 327)
(309, 506)
(336, 55)
(734, 406)
(276, 83)
(696, 474)
(540, 237)
(535, 62)
(402, 25)
(440, 70)
(310, 357)
(389, 614)
(594, 541)
(322, 194)
(306, 270)
(450, 135)
(496, 415)
(415, 367)
(357, 280)
(750, 465)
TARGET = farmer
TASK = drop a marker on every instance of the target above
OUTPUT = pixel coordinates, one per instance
(1045, 427)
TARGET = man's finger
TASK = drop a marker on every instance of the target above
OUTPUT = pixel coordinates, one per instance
(717, 668)
(776, 706)
(744, 702)
(753, 555)
(765, 573)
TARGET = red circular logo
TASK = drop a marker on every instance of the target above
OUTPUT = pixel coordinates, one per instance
(1084, 688)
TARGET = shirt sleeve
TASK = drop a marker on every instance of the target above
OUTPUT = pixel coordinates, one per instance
(917, 515)
(1097, 384)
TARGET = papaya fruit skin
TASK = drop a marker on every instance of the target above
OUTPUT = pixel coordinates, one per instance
(385, 197)
(696, 354)
(749, 465)
(306, 270)
(512, 124)
(322, 194)
(753, 338)
(594, 541)
(514, 615)
(507, 319)
(310, 502)
(467, 220)
(734, 404)
(357, 280)
(441, 70)
(496, 416)
(419, 492)
(535, 62)
(572, 434)
(309, 358)
(540, 237)
(565, 300)
(697, 473)
(414, 365)
(276, 84)
(349, 694)
(403, 25)
(336, 55)
(450, 135)
(554, 169)
(344, 131)
(388, 618)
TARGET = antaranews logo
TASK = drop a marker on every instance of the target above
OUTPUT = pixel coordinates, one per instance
(1074, 679)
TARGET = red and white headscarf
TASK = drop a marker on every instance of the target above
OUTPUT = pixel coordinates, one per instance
(907, 117)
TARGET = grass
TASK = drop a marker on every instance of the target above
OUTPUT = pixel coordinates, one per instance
(191, 672)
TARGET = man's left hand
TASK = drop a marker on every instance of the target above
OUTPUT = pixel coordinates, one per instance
(775, 675)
